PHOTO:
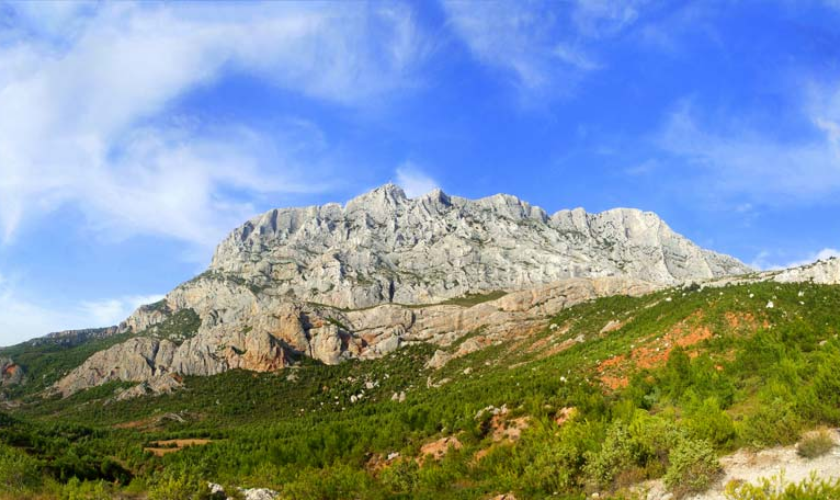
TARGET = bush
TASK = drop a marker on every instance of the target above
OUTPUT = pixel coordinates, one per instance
(655, 437)
(18, 471)
(84, 490)
(334, 483)
(179, 485)
(815, 444)
(693, 467)
(615, 456)
(401, 476)
(775, 423)
(708, 421)
(776, 489)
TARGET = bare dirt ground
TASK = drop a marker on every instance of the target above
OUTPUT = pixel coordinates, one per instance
(751, 467)
(161, 448)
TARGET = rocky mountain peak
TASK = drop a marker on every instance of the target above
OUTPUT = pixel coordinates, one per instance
(384, 247)
(358, 280)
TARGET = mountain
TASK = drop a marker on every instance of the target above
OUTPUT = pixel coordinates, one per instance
(383, 247)
(358, 281)
(617, 380)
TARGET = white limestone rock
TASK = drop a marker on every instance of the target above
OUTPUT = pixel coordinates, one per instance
(335, 282)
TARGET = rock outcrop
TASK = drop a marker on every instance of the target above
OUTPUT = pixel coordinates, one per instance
(70, 338)
(383, 247)
(823, 272)
(266, 332)
(358, 281)
(10, 373)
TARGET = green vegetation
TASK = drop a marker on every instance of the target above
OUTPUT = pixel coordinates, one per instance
(177, 327)
(46, 362)
(775, 488)
(686, 376)
(815, 444)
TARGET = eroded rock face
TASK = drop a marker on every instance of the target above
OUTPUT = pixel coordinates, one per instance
(336, 282)
(261, 334)
(823, 272)
(383, 247)
(70, 338)
(10, 373)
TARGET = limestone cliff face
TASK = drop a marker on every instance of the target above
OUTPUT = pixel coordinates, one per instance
(261, 332)
(823, 272)
(383, 247)
(335, 282)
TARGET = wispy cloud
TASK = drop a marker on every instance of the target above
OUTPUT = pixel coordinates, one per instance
(112, 311)
(414, 181)
(738, 161)
(86, 92)
(546, 47)
(600, 18)
(23, 317)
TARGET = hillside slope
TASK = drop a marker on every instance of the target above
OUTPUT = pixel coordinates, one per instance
(610, 393)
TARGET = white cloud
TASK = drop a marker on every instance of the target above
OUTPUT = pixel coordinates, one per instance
(597, 18)
(736, 161)
(522, 38)
(414, 181)
(86, 95)
(763, 261)
(112, 311)
(548, 47)
(22, 318)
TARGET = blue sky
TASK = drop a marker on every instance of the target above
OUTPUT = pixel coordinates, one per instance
(133, 137)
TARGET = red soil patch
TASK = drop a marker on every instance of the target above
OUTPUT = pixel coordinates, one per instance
(686, 333)
(564, 415)
(613, 361)
(744, 320)
(614, 383)
(161, 448)
(438, 449)
(481, 454)
(507, 430)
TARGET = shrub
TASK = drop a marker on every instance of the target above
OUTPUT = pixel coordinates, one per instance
(693, 467)
(776, 489)
(815, 444)
(337, 482)
(401, 476)
(18, 471)
(179, 485)
(655, 436)
(708, 421)
(776, 422)
(84, 490)
(615, 456)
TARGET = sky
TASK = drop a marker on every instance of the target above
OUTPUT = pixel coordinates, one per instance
(135, 136)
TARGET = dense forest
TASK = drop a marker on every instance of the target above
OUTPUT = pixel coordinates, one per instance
(612, 393)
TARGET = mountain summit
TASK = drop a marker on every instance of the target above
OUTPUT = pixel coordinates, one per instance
(337, 282)
(383, 247)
